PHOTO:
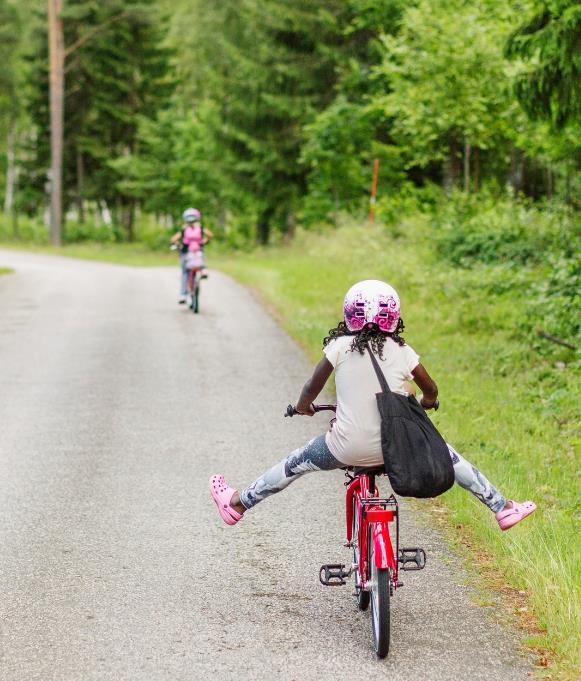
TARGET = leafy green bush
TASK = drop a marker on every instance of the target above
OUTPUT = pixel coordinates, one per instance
(557, 297)
(75, 232)
(26, 229)
(409, 199)
(469, 229)
(515, 241)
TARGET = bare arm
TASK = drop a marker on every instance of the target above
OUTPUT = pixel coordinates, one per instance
(176, 237)
(313, 387)
(427, 385)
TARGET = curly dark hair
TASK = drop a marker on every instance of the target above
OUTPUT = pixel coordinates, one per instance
(368, 334)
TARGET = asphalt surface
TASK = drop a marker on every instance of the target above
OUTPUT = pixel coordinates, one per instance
(115, 408)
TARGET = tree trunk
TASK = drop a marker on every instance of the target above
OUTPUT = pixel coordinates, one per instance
(568, 176)
(549, 183)
(128, 216)
(263, 227)
(451, 168)
(80, 186)
(10, 170)
(10, 206)
(223, 221)
(291, 226)
(516, 178)
(15, 232)
(336, 205)
(57, 101)
(105, 214)
(467, 152)
(476, 169)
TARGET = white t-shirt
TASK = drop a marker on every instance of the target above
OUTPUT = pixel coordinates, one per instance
(355, 438)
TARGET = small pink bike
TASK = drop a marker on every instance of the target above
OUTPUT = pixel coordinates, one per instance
(372, 528)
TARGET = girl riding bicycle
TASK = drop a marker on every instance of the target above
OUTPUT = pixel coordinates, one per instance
(371, 317)
(190, 240)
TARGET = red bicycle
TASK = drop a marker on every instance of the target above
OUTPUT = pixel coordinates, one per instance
(373, 537)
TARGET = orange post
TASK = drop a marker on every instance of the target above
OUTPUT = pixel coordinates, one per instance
(372, 200)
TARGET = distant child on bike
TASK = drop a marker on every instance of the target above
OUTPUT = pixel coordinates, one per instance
(371, 317)
(191, 239)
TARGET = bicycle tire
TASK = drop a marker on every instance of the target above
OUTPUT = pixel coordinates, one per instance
(362, 597)
(195, 295)
(380, 606)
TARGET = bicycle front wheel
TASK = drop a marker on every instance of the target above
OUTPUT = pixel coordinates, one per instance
(195, 296)
(380, 587)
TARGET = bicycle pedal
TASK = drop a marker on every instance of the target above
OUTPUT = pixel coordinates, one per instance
(412, 559)
(333, 575)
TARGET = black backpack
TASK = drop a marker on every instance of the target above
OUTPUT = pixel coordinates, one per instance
(416, 458)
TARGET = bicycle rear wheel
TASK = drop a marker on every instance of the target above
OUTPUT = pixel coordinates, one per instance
(380, 584)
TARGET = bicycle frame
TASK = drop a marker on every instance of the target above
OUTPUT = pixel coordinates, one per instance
(374, 516)
(193, 279)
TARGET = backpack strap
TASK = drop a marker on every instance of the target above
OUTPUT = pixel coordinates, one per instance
(379, 373)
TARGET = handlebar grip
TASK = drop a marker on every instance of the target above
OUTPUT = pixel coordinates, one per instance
(435, 406)
(291, 410)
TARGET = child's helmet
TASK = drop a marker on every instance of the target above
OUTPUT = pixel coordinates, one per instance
(191, 215)
(371, 302)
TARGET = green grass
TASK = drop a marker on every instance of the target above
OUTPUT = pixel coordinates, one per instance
(507, 404)
(5, 270)
(137, 255)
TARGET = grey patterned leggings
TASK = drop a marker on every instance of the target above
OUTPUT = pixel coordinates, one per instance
(315, 456)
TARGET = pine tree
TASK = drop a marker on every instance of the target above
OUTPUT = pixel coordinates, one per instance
(550, 87)
(345, 138)
(274, 79)
(117, 69)
(10, 32)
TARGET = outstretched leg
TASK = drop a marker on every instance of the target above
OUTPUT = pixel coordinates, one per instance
(508, 513)
(183, 278)
(471, 479)
(314, 456)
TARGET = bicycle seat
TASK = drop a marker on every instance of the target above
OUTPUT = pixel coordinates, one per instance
(370, 470)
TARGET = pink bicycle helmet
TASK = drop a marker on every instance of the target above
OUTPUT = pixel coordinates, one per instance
(371, 302)
(191, 215)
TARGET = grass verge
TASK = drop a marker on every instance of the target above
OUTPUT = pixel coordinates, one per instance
(509, 405)
(136, 255)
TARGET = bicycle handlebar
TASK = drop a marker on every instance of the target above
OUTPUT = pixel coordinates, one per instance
(291, 410)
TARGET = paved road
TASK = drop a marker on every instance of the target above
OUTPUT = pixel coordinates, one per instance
(115, 407)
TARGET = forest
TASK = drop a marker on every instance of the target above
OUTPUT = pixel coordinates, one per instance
(270, 116)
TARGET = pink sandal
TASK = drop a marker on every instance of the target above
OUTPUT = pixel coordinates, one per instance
(221, 494)
(509, 517)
